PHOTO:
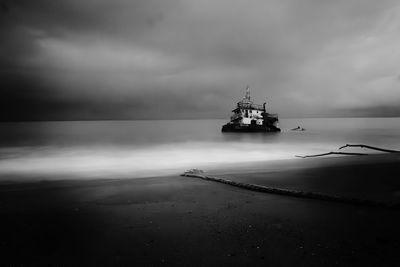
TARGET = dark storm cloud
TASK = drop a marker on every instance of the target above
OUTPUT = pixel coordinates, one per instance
(176, 59)
(58, 17)
(30, 99)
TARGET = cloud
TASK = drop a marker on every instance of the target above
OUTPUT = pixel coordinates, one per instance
(102, 59)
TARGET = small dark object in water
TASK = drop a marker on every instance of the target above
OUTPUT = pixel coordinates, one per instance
(298, 128)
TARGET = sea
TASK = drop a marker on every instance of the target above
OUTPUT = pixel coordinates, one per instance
(146, 148)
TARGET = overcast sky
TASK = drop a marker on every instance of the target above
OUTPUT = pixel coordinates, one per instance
(122, 59)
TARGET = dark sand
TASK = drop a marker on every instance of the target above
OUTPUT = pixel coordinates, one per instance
(191, 222)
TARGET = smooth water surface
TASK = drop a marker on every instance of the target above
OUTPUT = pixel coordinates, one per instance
(119, 149)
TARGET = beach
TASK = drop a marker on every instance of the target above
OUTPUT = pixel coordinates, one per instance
(182, 221)
(199, 133)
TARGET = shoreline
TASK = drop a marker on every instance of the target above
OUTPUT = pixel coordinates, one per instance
(214, 169)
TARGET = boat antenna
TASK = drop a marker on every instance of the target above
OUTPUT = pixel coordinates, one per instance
(247, 93)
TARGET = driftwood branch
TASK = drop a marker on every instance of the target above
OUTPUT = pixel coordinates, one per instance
(371, 147)
(294, 193)
(332, 153)
(350, 153)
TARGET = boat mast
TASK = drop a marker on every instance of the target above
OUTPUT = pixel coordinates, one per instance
(247, 93)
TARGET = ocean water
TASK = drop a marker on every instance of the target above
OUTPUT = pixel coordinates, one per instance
(127, 149)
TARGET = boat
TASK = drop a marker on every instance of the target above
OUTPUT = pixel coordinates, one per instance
(250, 117)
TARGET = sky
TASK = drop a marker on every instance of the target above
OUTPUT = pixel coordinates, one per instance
(182, 59)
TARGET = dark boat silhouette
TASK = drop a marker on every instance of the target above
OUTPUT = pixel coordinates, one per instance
(249, 117)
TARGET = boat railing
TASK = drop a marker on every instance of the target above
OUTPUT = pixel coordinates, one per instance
(250, 106)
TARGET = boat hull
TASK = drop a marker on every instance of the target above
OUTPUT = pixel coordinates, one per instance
(231, 127)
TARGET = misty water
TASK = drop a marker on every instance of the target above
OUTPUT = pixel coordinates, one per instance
(124, 149)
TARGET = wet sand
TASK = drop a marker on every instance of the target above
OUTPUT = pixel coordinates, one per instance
(191, 222)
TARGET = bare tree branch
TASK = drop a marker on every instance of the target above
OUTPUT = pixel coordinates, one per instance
(332, 153)
(371, 147)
